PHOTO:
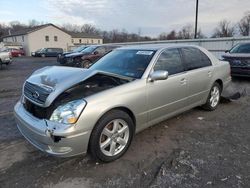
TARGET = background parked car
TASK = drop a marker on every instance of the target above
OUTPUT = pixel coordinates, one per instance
(60, 57)
(239, 59)
(87, 57)
(5, 58)
(47, 52)
(16, 52)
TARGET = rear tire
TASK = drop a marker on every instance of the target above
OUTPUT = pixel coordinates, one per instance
(214, 96)
(111, 136)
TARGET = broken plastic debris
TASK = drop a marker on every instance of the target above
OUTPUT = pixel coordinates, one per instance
(200, 118)
(224, 179)
(238, 177)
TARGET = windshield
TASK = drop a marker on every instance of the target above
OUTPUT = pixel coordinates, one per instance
(129, 63)
(89, 49)
(241, 48)
(79, 49)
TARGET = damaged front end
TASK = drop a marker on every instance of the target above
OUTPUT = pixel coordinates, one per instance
(95, 84)
(54, 128)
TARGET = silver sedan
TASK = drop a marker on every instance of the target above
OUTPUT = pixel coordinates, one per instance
(68, 111)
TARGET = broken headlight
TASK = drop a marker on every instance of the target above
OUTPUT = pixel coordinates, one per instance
(69, 112)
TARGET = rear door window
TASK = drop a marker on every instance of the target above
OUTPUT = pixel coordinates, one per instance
(58, 50)
(170, 60)
(194, 58)
(101, 50)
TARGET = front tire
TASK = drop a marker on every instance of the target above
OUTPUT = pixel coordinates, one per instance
(214, 96)
(86, 64)
(43, 55)
(111, 136)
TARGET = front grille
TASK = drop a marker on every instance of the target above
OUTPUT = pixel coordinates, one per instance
(239, 62)
(36, 93)
(37, 111)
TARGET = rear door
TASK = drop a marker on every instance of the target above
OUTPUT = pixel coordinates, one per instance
(50, 52)
(199, 74)
(166, 97)
(55, 52)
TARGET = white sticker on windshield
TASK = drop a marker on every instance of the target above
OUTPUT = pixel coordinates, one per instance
(144, 52)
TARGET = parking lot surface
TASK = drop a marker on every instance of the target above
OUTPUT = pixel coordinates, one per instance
(194, 149)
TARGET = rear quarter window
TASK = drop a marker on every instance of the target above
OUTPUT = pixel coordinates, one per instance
(195, 58)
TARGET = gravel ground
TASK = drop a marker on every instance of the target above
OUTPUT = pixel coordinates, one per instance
(194, 149)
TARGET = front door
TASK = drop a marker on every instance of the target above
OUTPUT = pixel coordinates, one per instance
(167, 97)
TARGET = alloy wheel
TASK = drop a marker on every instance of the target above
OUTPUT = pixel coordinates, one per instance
(114, 137)
(215, 96)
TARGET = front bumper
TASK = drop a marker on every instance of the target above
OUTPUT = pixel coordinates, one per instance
(42, 133)
(240, 71)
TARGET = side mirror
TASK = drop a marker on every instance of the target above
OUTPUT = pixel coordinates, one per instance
(226, 51)
(96, 52)
(158, 75)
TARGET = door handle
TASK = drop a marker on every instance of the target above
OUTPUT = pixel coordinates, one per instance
(183, 81)
(209, 73)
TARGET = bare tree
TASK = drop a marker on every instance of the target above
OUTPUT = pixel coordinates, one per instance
(224, 29)
(187, 32)
(71, 27)
(33, 23)
(89, 29)
(168, 36)
(200, 35)
(172, 35)
(244, 25)
(3, 30)
(163, 36)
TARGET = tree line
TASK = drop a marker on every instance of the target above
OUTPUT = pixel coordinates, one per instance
(224, 28)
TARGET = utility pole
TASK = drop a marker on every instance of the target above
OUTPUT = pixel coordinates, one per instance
(196, 19)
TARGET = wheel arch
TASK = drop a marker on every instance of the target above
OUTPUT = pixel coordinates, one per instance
(121, 108)
(219, 81)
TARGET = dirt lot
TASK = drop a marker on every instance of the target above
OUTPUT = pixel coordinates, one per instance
(195, 149)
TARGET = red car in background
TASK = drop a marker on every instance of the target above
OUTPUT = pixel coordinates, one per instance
(16, 52)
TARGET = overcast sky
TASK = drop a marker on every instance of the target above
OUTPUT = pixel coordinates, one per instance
(151, 17)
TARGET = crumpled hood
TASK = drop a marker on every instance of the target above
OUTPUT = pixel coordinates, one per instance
(59, 78)
(75, 54)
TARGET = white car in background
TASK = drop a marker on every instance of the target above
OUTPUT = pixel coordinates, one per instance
(5, 58)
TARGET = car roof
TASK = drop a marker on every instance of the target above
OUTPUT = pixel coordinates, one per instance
(109, 45)
(51, 48)
(155, 47)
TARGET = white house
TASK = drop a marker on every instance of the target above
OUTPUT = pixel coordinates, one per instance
(85, 39)
(48, 36)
